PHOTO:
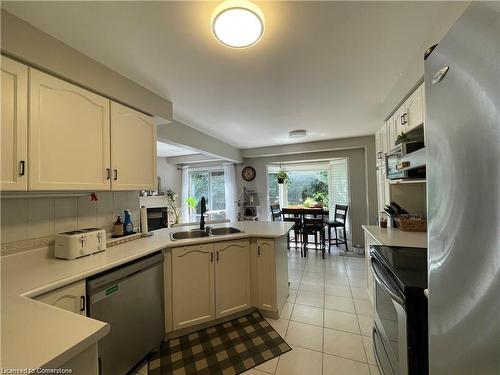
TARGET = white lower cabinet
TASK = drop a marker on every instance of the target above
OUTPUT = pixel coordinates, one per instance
(211, 281)
(193, 297)
(232, 277)
(266, 275)
(369, 275)
(70, 298)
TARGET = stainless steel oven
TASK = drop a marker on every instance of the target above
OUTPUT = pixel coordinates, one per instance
(400, 312)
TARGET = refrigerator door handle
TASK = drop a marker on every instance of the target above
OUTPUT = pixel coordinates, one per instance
(438, 77)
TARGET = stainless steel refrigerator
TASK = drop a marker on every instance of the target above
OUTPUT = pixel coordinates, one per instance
(462, 134)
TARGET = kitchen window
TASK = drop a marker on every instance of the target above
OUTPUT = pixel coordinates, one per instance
(211, 185)
(328, 180)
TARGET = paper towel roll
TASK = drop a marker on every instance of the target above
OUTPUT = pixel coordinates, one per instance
(144, 220)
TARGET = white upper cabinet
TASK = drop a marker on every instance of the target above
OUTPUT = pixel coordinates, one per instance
(133, 149)
(391, 132)
(414, 109)
(69, 136)
(14, 125)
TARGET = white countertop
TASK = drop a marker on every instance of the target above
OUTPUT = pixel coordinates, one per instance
(396, 237)
(35, 334)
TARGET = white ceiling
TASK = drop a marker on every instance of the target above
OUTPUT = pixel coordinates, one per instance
(168, 150)
(327, 67)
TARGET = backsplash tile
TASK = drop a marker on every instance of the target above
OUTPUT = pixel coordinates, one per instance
(87, 213)
(65, 214)
(28, 218)
(40, 217)
(14, 220)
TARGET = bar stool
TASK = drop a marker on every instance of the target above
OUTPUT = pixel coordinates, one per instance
(339, 221)
(313, 224)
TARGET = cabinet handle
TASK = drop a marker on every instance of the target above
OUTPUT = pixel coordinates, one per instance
(116, 174)
(211, 257)
(108, 174)
(82, 303)
(21, 167)
(258, 251)
(217, 256)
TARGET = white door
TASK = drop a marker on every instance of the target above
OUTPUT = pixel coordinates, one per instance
(68, 136)
(14, 125)
(266, 277)
(232, 277)
(193, 292)
(70, 298)
(415, 109)
(133, 149)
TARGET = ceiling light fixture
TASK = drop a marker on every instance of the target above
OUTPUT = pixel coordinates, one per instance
(297, 134)
(237, 23)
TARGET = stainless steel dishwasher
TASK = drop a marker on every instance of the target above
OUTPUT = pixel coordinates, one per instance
(129, 298)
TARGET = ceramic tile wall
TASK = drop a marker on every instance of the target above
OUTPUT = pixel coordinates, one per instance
(29, 218)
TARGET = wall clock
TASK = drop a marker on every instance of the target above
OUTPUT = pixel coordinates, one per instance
(248, 173)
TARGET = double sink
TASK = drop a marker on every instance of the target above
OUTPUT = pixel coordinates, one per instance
(208, 232)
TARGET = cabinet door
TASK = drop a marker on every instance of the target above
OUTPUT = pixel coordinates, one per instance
(232, 277)
(399, 118)
(368, 242)
(192, 285)
(133, 149)
(70, 297)
(14, 125)
(378, 148)
(380, 192)
(68, 136)
(391, 133)
(414, 109)
(266, 275)
(383, 143)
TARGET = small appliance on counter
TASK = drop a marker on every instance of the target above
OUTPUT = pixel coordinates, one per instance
(79, 243)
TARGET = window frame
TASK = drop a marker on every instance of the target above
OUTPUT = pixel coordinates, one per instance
(208, 170)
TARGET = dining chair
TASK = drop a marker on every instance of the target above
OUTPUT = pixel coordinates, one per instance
(293, 215)
(338, 222)
(313, 224)
(276, 212)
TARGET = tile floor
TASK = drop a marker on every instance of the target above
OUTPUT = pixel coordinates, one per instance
(327, 319)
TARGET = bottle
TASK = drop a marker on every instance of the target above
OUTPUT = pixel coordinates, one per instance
(118, 227)
(128, 227)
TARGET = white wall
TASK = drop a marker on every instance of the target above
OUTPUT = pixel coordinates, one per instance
(358, 183)
(171, 177)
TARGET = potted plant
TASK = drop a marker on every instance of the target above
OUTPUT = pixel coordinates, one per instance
(321, 199)
(282, 177)
(177, 211)
(309, 202)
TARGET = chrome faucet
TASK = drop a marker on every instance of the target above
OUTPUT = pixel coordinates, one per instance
(203, 207)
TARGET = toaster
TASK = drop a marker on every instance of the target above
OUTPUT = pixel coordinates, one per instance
(79, 243)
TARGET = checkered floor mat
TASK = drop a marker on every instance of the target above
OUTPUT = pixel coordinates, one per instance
(228, 348)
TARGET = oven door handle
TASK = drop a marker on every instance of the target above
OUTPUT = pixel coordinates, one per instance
(379, 279)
